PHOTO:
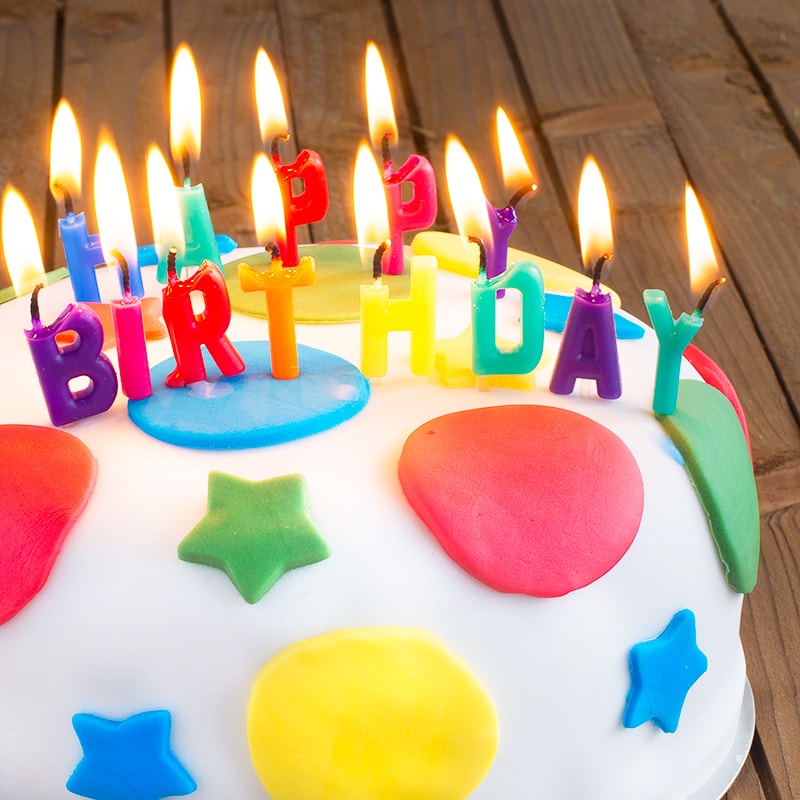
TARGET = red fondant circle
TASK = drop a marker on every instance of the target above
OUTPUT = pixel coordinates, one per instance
(47, 476)
(528, 499)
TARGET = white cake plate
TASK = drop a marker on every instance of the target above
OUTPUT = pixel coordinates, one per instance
(724, 776)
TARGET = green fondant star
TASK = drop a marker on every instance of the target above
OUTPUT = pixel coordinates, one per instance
(254, 531)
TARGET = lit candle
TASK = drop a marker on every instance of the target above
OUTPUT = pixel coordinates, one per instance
(589, 341)
(473, 218)
(118, 242)
(81, 250)
(379, 313)
(190, 330)
(674, 335)
(77, 379)
(165, 212)
(113, 211)
(419, 210)
(311, 205)
(278, 282)
(185, 130)
(517, 177)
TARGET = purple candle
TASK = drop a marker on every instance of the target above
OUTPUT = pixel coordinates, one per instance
(75, 355)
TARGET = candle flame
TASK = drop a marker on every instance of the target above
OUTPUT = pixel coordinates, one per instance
(268, 214)
(594, 215)
(272, 119)
(380, 111)
(165, 213)
(65, 152)
(702, 260)
(369, 202)
(112, 206)
(516, 171)
(20, 243)
(466, 193)
(185, 111)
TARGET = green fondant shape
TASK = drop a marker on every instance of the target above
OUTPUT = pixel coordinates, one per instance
(254, 531)
(707, 432)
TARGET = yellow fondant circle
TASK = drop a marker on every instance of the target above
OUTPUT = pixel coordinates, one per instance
(370, 714)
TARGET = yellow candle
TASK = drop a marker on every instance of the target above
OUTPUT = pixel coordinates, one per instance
(278, 282)
(416, 314)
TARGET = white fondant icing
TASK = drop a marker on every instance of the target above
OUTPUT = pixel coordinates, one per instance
(123, 626)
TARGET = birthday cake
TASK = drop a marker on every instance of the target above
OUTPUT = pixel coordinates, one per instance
(451, 593)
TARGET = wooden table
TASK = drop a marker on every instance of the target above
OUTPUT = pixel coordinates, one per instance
(660, 92)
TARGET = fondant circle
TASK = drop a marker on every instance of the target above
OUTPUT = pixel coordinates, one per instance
(528, 499)
(252, 409)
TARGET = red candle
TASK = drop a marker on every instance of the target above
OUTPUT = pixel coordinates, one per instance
(311, 204)
(126, 314)
(188, 331)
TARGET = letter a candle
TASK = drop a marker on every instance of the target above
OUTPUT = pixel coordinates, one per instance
(674, 335)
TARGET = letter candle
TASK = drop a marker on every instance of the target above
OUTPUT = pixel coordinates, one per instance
(311, 205)
(278, 282)
(419, 211)
(185, 130)
(589, 341)
(379, 313)
(674, 335)
(82, 251)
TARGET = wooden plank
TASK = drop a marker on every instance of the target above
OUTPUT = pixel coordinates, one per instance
(224, 37)
(27, 45)
(740, 162)
(593, 96)
(460, 71)
(771, 636)
(747, 785)
(114, 76)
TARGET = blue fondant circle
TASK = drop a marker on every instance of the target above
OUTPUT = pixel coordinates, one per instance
(252, 409)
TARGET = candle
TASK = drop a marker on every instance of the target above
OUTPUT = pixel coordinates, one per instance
(473, 220)
(589, 342)
(189, 331)
(311, 204)
(419, 210)
(278, 282)
(76, 378)
(185, 127)
(81, 250)
(674, 335)
(379, 313)
(113, 211)
(165, 212)
(517, 177)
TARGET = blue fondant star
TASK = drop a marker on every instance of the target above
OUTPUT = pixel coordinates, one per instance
(128, 759)
(662, 672)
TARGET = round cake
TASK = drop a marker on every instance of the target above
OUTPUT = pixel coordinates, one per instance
(462, 589)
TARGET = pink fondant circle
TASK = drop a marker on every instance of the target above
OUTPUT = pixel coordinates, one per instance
(528, 499)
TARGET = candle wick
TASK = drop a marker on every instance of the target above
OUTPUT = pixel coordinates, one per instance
(66, 196)
(482, 254)
(705, 298)
(172, 269)
(386, 154)
(186, 160)
(273, 250)
(35, 314)
(276, 140)
(126, 273)
(597, 272)
(377, 259)
(523, 191)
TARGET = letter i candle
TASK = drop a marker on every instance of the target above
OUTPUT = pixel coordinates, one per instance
(589, 342)
(674, 335)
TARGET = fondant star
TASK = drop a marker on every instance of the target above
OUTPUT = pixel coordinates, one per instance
(128, 759)
(662, 672)
(254, 531)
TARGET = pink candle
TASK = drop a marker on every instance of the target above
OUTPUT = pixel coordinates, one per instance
(126, 315)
